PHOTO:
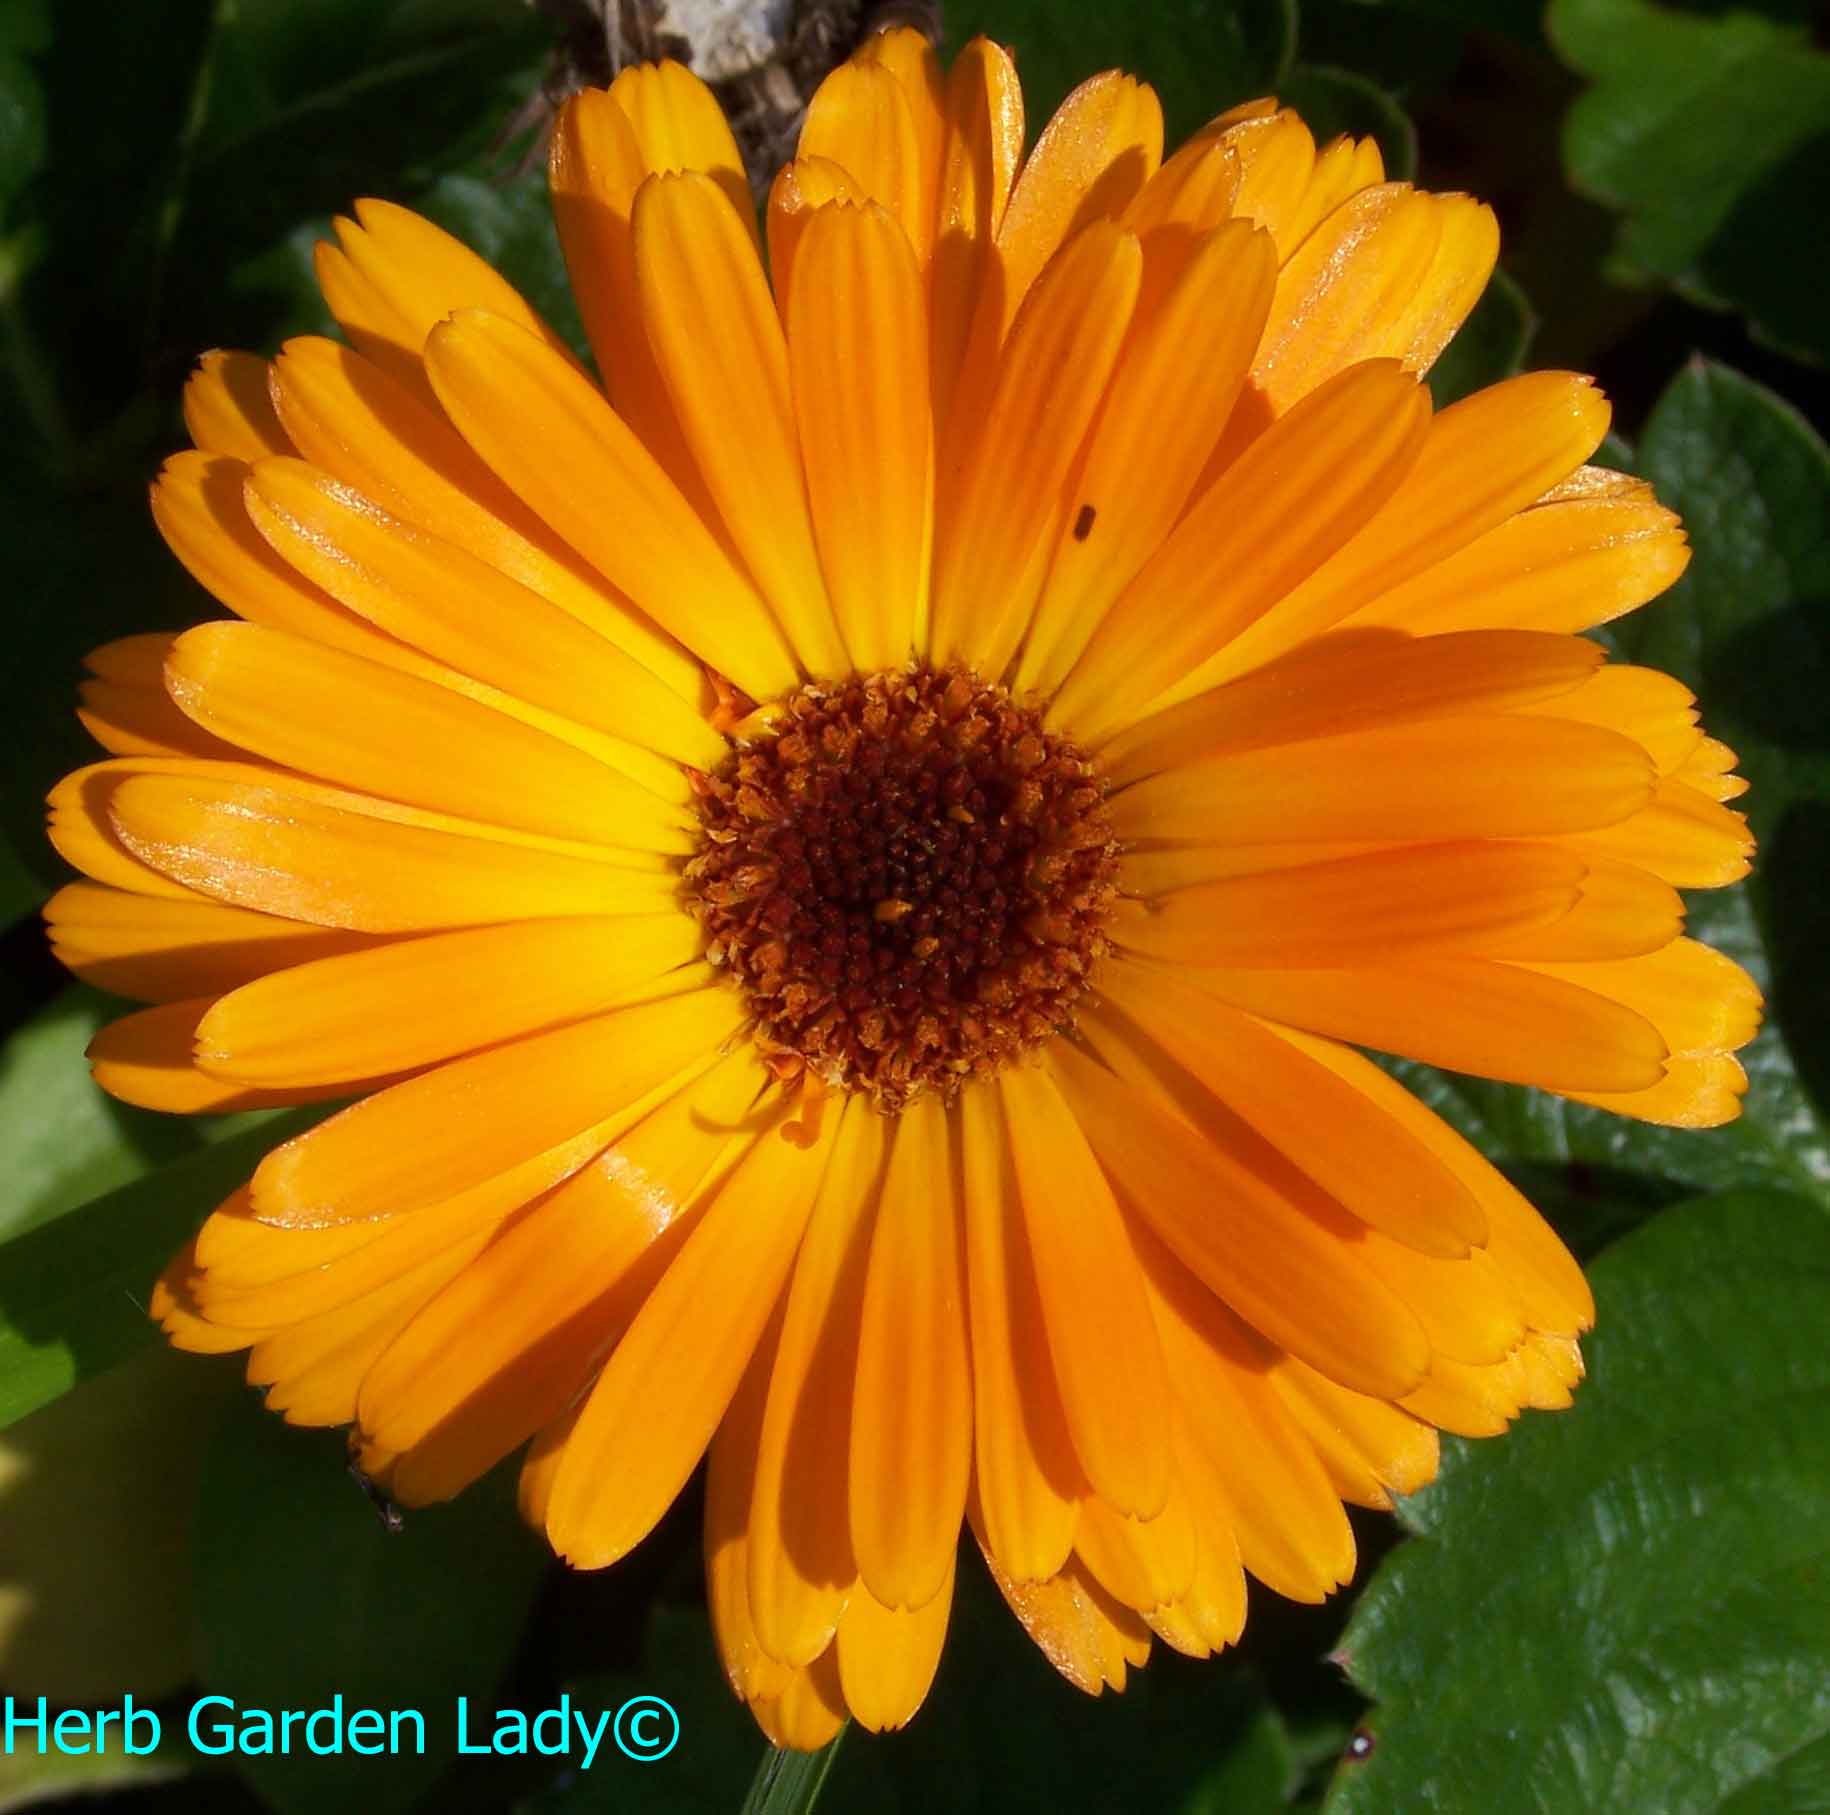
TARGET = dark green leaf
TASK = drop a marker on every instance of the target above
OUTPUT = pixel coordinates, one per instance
(73, 1292)
(1334, 101)
(1490, 345)
(1201, 57)
(1712, 135)
(304, 1594)
(1626, 1606)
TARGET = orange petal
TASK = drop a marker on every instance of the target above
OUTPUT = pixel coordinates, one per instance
(1027, 1479)
(227, 408)
(363, 726)
(259, 839)
(160, 949)
(858, 355)
(669, 1381)
(887, 1657)
(1454, 778)
(1495, 1020)
(1273, 517)
(911, 1437)
(718, 340)
(1164, 411)
(1362, 1158)
(1001, 497)
(400, 1006)
(801, 1565)
(1106, 1360)
(860, 119)
(414, 1144)
(1253, 1229)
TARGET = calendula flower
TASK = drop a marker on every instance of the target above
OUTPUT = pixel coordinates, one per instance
(847, 864)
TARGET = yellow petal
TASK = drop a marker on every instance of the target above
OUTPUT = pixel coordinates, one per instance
(809, 1711)
(1565, 566)
(1371, 1450)
(669, 1381)
(401, 1006)
(1089, 1637)
(262, 840)
(1273, 517)
(887, 1657)
(1437, 779)
(1027, 1479)
(1170, 395)
(1143, 1563)
(1107, 1363)
(1390, 274)
(200, 508)
(505, 644)
(1103, 145)
(352, 421)
(911, 1435)
(716, 335)
(1000, 496)
(227, 408)
(147, 1059)
(910, 57)
(679, 125)
(594, 169)
(422, 274)
(81, 829)
(1680, 835)
(415, 1143)
(860, 119)
(858, 356)
(162, 949)
(363, 726)
(981, 149)
(1657, 712)
(126, 709)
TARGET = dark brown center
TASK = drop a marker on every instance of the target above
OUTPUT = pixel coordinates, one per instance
(908, 878)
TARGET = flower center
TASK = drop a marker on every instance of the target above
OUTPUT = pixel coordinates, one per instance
(908, 878)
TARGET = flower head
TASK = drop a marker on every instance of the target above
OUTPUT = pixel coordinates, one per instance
(847, 864)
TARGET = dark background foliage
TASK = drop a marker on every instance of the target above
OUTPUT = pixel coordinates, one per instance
(1623, 1608)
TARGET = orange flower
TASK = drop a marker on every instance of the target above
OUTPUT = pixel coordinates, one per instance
(846, 868)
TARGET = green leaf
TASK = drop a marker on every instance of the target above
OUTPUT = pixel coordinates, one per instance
(1490, 345)
(1200, 58)
(30, 1780)
(97, 1494)
(1334, 101)
(304, 1594)
(1711, 133)
(789, 1783)
(721, 1749)
(73, 1292)
(1748, 627)
(65, 1140)
(1626, 1605)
